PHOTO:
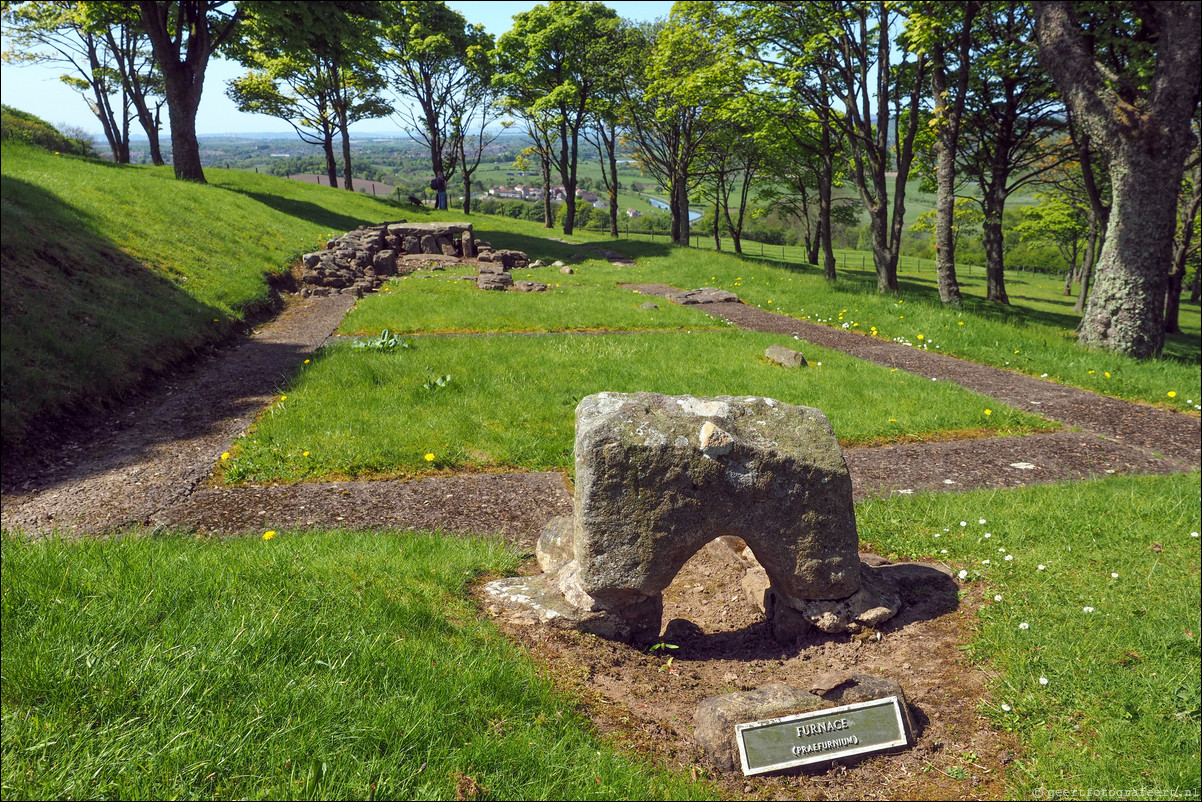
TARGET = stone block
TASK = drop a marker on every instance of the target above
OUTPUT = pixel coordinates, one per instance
(786, 356)
(716, 717)
(494, 281)
(658, 476)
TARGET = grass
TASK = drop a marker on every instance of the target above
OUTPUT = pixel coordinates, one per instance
(313, 665)
(1034, 342)
(112, 273)
(426, 305)
(509, 401)
(319, 665)
(1091, 631)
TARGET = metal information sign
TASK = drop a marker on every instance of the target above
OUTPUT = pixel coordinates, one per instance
(819, 735)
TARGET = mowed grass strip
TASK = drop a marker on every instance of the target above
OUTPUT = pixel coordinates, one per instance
(339, 665)
(433, 305)
(1034, 341)
(1090, 623)
(509, 400)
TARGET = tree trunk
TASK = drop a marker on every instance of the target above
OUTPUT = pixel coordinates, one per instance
(886, 267)
(1181, 251)
(682, 205)
(1126, 307)
(182, 104)
(717, 231)
(545, 166)
(342, 111)
(1091, 258)
(946, 143)
(183, 60)
(1147, 136)
(995, 267)
(331, 163)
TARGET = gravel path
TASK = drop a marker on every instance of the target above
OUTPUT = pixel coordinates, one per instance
(147, 465)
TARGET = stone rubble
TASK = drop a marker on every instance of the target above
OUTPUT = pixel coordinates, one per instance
(360, 261)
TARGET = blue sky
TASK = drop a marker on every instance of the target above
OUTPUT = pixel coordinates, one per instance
(38, 90)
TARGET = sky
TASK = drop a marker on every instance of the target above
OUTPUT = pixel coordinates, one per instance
(38, 90)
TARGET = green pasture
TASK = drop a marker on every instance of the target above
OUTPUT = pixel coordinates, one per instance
(428, 303)
(1090, 627)
(506, 401)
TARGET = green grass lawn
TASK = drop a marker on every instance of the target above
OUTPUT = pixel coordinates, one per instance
(431, 305)
(1035, 341)
(112, 273)
(319, 665)
(1091, 623)
(509, 400)
(352, 664)
(340, 665)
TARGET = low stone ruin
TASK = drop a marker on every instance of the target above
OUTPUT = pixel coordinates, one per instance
(659, 477)
(362, 260)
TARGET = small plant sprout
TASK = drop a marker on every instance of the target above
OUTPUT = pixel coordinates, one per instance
(387, 341)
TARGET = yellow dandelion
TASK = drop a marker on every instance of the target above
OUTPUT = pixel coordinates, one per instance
(283, 398)
(269, 534)
(1107, 375)
(921, 337)
(989, 412)
(961, 322)
(429, 458)
(225, 455)
(1172, 394)
(306, 361)
(305, 454)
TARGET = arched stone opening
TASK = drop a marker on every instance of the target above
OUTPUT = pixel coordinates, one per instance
(658, 477)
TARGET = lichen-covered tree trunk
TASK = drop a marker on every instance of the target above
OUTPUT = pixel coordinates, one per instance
(1146, 132)
(1126, 306)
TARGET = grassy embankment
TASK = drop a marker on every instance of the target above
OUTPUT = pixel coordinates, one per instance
(113, 273)
(319, 665)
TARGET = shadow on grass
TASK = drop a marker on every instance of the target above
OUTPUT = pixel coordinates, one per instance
(304, 210)
(85, 325)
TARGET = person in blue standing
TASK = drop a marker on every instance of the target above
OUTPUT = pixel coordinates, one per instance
(439, 185)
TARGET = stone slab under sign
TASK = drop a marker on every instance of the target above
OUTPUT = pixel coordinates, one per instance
(717, 717)
(822, 735)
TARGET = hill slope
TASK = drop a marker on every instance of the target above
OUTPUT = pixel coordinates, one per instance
(112, 273)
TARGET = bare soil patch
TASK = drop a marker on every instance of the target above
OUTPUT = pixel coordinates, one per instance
(646, 703)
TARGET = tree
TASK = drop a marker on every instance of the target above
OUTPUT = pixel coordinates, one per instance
(476, 110)
(1186, 244)
(966, 217)
(103, 45)
(298, 94)
(434, 59)
(796, 48)
(946, 30)
(1129, 73)
(851, 44)
(1012, 117)
(1055, 218)
(547, 69)
(673, 104)
(184, 35)
(325, 53)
